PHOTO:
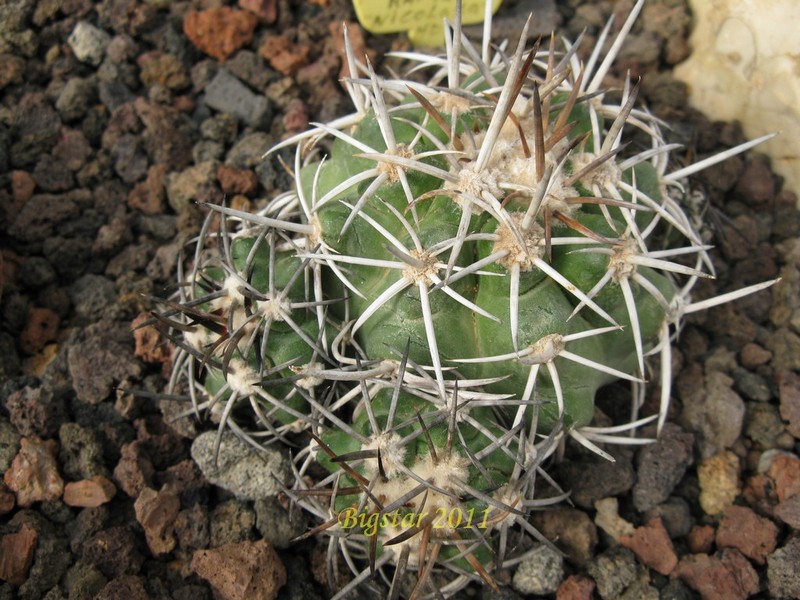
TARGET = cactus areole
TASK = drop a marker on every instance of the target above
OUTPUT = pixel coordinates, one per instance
(431, 309)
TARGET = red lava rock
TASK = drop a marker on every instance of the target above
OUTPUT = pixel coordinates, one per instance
(113, 551)
(16, 555)
(166, 136)
(284, 55)
(788, 511)
(12, 69)
(41, 328)
(156, 512)
(652, 546)
(753, 355)
(33, 475)
(743, 529)
(22, 186)
(575, 587)
(150, 346)
(759, 492)
(360, 50)
(220, 31)
(789, 393)
(295, 117)
(36, 412)
(73, 149)
(126, 587)
(237, 181)
(192, 528)
(242, 571)
(184, 477)
(785, 472)
(265, 10)
(134, 471)
(757, 183)
(700, 539)
(89, 493)
(149, 196)
(7, 499)
(728, 577)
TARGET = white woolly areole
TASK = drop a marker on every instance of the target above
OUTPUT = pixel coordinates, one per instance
(421, 274)
(393, 453)
(274, 308)
(544, 350)
(446, 473)
(475, 183)
(241, 378)
(508, 241)
(446, 103)
(620, 263)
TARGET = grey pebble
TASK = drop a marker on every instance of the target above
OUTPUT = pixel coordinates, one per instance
(541, 572)
(661, 466)
(613, 571)
(76, 97)
(225, 93)
(88, 43)
(782, 577)
(239, 468)
(278, 525)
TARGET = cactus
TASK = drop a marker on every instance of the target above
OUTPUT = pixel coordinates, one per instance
(432, 308)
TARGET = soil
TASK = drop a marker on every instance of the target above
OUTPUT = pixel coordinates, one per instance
(117, 121)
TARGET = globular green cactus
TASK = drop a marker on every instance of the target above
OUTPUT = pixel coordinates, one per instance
(459, 268)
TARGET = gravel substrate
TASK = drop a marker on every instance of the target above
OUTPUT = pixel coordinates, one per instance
(119, 118)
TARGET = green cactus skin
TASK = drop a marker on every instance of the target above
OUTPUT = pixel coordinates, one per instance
(437, 301)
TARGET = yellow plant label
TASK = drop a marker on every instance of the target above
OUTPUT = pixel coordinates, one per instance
(423, 19)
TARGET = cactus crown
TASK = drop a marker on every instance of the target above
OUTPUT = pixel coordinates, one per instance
(458, 269)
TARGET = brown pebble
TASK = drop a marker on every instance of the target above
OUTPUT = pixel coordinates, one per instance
(785, 472)
(237, 181)
(284, 55)
(743, 529)
(148, 197)
(651, 544)
(242, 571)
(220, 31)
(789, 394)
(719, 482)
(89, 493)
(572, 531)
(135, 470)
(700, 539)
(156, 513)
(576, 587)
(22, 186)
(753, 355)
(7, 499)
(788, 511)
(295, 117)
(16, 555)
(126, 587)
(33, 475)
(265, 10)
(41, 328)
(728, 577)
(150, 346)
